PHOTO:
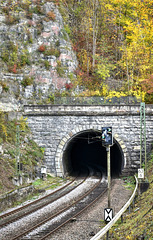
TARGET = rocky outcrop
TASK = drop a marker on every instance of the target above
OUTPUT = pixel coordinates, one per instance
(36, 56)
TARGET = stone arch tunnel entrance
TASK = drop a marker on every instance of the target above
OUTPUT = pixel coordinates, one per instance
(85, 150)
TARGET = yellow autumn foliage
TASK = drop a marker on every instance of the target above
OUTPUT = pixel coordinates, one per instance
(26, 2)
(3, 129)
(23, 123)
(104, 92)
(84, 60)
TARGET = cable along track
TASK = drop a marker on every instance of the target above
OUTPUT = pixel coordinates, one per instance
(59, 214)
(20, 212)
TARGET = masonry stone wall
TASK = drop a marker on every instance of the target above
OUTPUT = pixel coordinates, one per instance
(53, 126)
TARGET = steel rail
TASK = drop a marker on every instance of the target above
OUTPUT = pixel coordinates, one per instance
(34, 202)
(77, 214)
(56, 214)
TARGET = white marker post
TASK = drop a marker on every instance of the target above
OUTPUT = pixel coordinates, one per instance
(141, 173)
(108, 214)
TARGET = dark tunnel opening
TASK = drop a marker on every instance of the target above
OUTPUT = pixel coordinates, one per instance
(86, 150)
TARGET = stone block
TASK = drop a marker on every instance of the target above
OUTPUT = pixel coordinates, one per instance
(143, 186)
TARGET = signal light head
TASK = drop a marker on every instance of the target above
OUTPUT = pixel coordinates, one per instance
(107, 138)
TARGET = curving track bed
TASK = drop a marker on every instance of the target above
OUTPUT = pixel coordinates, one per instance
(44, 219)
(20, 212)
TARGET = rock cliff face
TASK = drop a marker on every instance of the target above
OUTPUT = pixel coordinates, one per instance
(36, 57)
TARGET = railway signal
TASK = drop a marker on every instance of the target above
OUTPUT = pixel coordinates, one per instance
(107, 138)
(107, 141)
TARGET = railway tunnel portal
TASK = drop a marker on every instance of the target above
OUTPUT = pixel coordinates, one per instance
(71, 136)
(85, 150)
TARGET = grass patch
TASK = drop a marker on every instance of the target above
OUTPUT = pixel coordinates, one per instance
(38, 182)
(139, 223)
(49, 183)
(129, 182)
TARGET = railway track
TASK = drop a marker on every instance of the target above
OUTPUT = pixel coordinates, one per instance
(20, 212)
(58, 215)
